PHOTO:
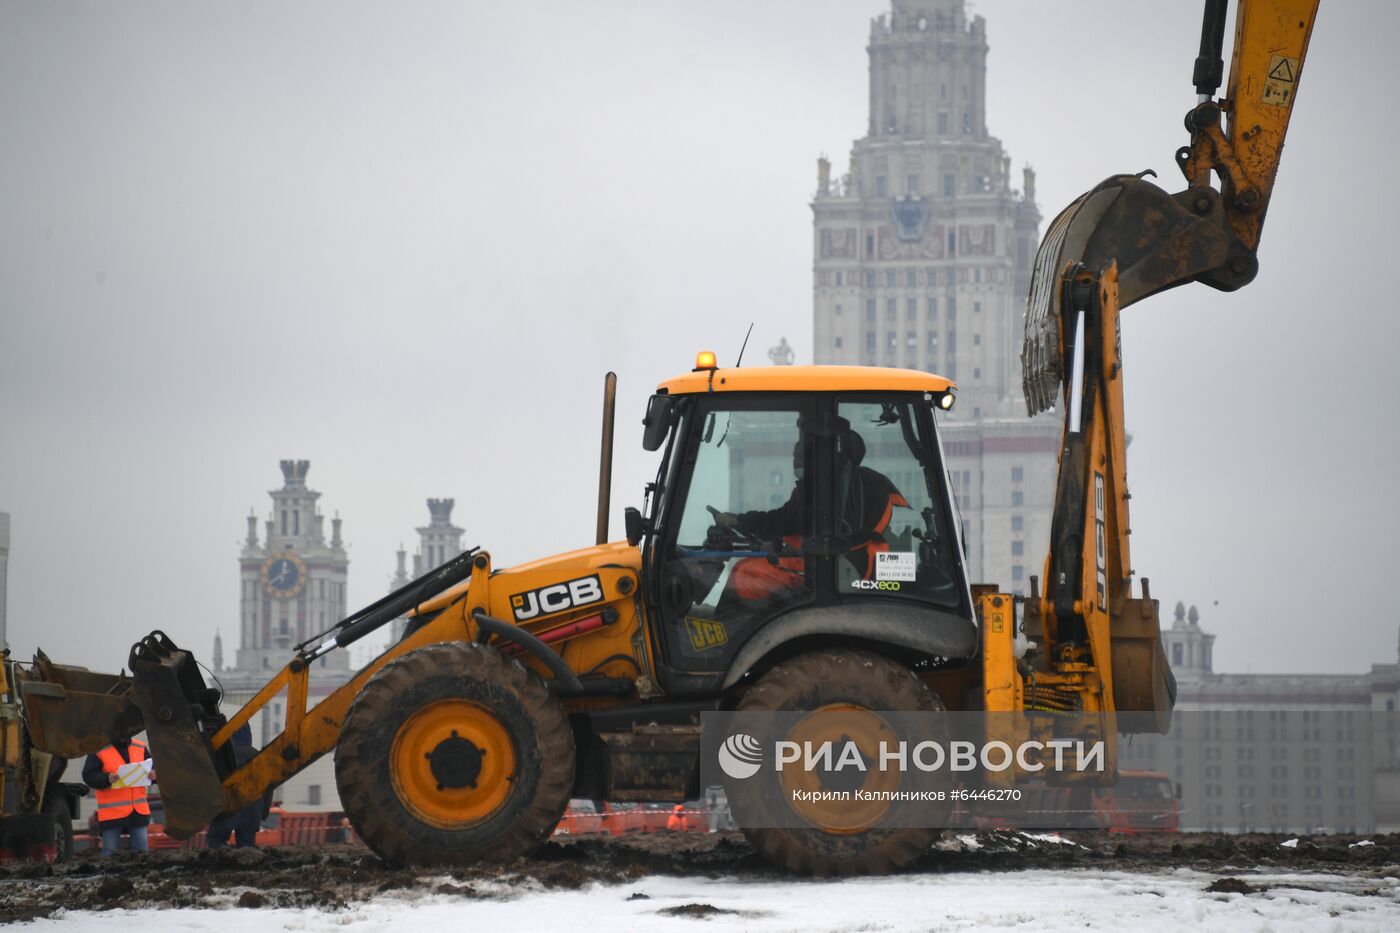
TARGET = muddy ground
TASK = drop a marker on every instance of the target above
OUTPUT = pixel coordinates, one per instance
(334, 876)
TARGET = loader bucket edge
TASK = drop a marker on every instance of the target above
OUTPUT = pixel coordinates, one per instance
(71, 711)
(181, 714)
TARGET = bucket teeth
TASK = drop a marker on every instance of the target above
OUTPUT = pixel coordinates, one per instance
(1042, 357)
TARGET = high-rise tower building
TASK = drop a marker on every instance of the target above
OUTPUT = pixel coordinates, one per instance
(923, 255)
(438, 542)
(293, 581)
(292, 588)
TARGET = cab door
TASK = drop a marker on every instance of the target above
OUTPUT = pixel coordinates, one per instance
(739, 506)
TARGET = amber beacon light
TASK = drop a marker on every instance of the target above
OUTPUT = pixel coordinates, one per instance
(705, 360)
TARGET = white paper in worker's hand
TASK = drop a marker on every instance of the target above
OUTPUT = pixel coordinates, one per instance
(136, 774)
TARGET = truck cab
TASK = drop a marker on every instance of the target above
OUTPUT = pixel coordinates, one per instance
(798, 503)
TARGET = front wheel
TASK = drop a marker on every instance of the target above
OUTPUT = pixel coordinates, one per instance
(845, 687)
(453, 754)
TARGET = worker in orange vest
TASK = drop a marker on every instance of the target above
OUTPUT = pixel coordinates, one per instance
(676, 822)
(118, 808)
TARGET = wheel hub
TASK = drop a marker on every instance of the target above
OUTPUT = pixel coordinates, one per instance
(453, 763)
(456, 762)
(839, 723)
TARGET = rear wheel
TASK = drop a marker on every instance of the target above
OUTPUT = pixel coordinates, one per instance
(452, 754)
(58, 804)
(57, 807)
(844, 685)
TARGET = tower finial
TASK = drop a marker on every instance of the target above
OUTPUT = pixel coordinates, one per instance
(294, 472)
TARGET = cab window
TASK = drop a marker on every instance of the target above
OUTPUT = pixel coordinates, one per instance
(891, 504)
(742, 509)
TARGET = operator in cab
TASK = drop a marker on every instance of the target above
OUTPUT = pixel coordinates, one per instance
(866, 500)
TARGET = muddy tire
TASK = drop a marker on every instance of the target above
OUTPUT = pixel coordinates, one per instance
(454, 754)
(840, 678)
(56, 806)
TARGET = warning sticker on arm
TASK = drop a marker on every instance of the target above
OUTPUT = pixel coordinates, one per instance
(895, 565)
(1280, 81)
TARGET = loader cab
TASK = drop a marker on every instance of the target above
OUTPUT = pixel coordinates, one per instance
(799, 503)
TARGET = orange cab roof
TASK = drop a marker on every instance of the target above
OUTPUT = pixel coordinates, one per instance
(808, 379)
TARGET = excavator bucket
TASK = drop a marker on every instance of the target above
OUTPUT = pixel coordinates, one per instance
(1159, 241)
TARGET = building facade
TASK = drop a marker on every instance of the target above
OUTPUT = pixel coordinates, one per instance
(438, 542)
(1296, 753)
(293, 580)
(923, 254)
(292, 587)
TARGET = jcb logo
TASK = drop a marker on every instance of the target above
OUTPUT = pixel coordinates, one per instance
(548, 600)
(705, 634)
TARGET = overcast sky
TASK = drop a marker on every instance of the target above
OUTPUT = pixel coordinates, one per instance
(404, 241)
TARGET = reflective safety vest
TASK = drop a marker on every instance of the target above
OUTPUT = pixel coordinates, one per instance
(115, 803)
(876, 541)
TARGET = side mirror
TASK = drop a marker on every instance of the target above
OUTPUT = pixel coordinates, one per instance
(636, 525)
(1178, 790)
(657, 422)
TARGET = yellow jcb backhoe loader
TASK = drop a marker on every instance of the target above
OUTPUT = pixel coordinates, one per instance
(752, 579)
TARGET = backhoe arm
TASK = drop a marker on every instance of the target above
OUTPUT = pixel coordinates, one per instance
(1200, 234)
(1271, 41)
(1122, 241)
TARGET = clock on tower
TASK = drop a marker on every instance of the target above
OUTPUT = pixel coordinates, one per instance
(283, 575)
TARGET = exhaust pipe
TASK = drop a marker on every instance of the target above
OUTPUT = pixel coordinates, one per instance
(605, 459)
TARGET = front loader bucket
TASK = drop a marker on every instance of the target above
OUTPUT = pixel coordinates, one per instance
(71, 711)
(181, 715)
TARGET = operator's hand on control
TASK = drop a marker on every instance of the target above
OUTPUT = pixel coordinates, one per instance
(724, 519)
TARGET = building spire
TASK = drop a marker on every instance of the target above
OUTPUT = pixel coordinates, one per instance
(294, 473)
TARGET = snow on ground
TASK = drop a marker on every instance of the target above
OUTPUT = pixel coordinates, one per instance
(1043, 899)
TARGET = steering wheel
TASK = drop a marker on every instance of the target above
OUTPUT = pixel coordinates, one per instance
(725, 538)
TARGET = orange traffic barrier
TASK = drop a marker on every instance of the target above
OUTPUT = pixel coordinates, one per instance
(616, 820)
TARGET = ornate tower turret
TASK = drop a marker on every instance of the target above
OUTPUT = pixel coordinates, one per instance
(293, 584)
(1188, 647)
(439, 540)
